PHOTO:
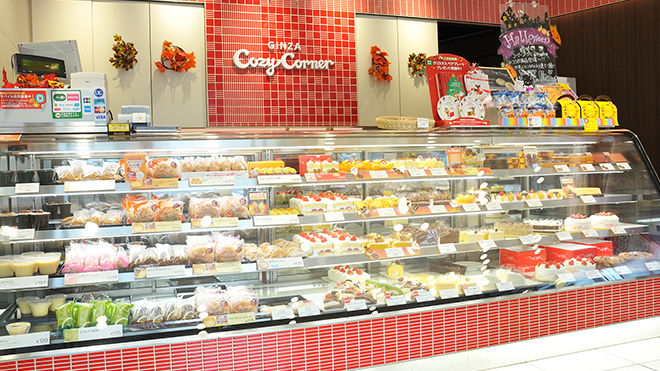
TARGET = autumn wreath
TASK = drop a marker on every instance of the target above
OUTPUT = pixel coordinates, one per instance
(379, 64)
(416, 64)
(175, 58)
(124, 54)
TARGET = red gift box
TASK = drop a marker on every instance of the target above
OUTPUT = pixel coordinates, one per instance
(564, 251)
(522, 259)
(603, 247)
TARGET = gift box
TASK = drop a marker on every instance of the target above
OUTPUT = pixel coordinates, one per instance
(565, 251)
(603, 247)
(522, 259)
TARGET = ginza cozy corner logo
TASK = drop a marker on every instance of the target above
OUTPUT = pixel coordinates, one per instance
(243, 60)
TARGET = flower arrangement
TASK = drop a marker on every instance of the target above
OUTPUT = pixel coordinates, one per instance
(124, 54)
(175, 58)
(416, 64)
(379, 64)
(32, 81)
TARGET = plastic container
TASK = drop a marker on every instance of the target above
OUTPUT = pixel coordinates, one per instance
(48, 263)
(47, 176)
(55, 300)
(40, 307)
(24, 304)
(5, 267)
(8, 219)
(33, 255)
(26, 176)
(25, 220)
(23, 267)
(40, 220)
(18, 328)
(6, 178)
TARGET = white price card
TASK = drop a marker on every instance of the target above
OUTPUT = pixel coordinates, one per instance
(472, 290)
(448, 294)
(15, 283)
(422, 123)
(395, 252)
(395, 300)
(353, 305)
(505, 286)
(438, 172)
(91, 277)
(447, 248)
(241, 318)
(528, 239)
(22, 234)
(623, 165)
(653, 266)
(471, 207)
(589, 233)
(535, 121)
(167, 271)
(587, 167)
(309, 310)
(280, 263)
(22, 188)
(89, 185)
(562, 168)
(607, 167)
(211, 181)
(335, 216)
(139, 117)
(568, 277)
(93, 333)
(264, 220)
(417, 172)
(619, 230)
(279, 179)
(380, 174)
(493, 205)
(437, 209)
(486, 244)
(588, 199)
(214, 222)
(386, 212)
(593, 274)
(564, 236)
(622, 269)
(25, 340)
(534, 202)
(278, 314)
(422, 296)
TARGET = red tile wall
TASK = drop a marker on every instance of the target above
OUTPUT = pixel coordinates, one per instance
(383, 340)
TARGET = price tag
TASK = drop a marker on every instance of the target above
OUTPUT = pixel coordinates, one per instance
(91, 277)
(280, 263)
(395, 300)
(278, 314)
(380, 174)
(472, 290)
(448, 294)
(486, 244)
(619, 230)
(215, 223)
(435, 209)
(471, 207)
(587, 167)
(607, 167)
(153, 183)
(588, 199)
(90, 185)
(528, 239)
(310, 310)
(93, 333)
(593, 274)
(422, 296)
(279, 179)
(535, 121)
(653, 266)
(568, 277)
(505, 286)
(562, 168)
(215, 268)
(622, 269)
(447, 248)
(335, 216)
(590, 233)
(241, 318)
(22, 234)
(386, 212)
(438, 172)
(354, 305)
(157, 227)
(394, 252)
(22, 188)
(493, 205)
(263, 220)
(16, 283)
(171, 271)
(564, 236)
(25, 340)
(534, 202)
(417, 172)
(422, 123)
(211, 181)
(623, 165)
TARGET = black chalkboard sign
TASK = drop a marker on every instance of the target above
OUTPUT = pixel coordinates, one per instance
(498, 78)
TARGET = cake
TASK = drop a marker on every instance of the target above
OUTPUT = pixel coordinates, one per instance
(472, 236)
(446, 282)
(341, 273)
(587, 191)
(545, 225)
(375, 241)
(395, 269)
(329, 166)
(339, 202)
(312, 204)
(506, 275)
(514, 229)
(435, 233)
(463, 199)
(574, 265)
(548, 272)
(317, 242)
(333, 300)
(463, 283)
(489, 282)
(400, 239)
(577, 223)
(604, 221)
(495, 235)
(428, 197)
(345, 243)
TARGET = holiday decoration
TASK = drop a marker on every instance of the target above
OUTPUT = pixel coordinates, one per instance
(379, 64)
(124, 54)
(32, 81)
(416, 64)
(175, 58)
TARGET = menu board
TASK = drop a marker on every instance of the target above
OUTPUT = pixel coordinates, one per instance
(498, 78)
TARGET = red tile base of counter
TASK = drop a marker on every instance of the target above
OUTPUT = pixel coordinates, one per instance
(380, 341)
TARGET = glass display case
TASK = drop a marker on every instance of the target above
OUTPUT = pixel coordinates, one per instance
(169, 234)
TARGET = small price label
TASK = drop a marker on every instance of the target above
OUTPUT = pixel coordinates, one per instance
(448, 294)
(534, 202)
(153, 183)
(622, 269)
(471, 207)
(211, 181)
(22, 188)
(568, 277)
(25, 340)
(493, 205)
(280, 263)
(417, 172)
(535, 121)
(215, 268)
(279, 179)
(447, 248)
(587, 167)
(241, 318)
(471, 290)
(91, 277)
(171, 271)
(22, 234)
(607, 167)
(487, 244)
(619, 230)
(309, 310)
(335, 216)
(589, 233)
(90, 185)
(528, 239)
(438, 172)
(15, 283)
(264, 220)
(380, 174)
(562, 168)
(505, 286)
(588, 199)
(354, 305)
(215, 223)
(437, 209)
(395, 252)
(157, 227)
(386, 212)
(564, 236)
(422, 296)
(653, 266)
(623, 165)
(422, 123)
(593, 274)
(278, 314)
(395, 300)
(92, 333)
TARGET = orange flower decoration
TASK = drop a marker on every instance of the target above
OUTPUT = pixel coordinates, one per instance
(379, 64)
(175, 58)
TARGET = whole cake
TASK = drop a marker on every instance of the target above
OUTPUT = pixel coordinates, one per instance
(604, 221)
(345, 272)
(574, 265)
(577, 223)
(548, 272)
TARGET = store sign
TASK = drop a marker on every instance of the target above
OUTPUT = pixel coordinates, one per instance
(243, 60)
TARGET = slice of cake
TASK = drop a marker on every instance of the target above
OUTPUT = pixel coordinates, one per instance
(312, 204)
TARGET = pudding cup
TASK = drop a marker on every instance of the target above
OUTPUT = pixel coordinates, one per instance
(18, 328)
(23, 267)
(40, 307)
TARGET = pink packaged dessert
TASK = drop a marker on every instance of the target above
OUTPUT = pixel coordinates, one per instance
(94, 257)
(228, 248)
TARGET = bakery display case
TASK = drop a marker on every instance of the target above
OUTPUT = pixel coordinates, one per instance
(119, 241)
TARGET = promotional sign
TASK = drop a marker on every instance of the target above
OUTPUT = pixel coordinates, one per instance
(446, 73)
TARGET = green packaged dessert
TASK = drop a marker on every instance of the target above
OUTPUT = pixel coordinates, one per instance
(120, 314)
(99, 308)
(82, 315)
(64, 316)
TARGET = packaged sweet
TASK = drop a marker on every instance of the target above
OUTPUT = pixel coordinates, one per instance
(170, 209)
(150, 256)
(164, 168)
(233, 206)
(109, 171)
(201, 249)
(242, 300)
(163, 254)
(77, 168)
(135, 251)
(157, 312)
(213, 299)
(63, 315)
(82, 315)
(201, 207)
(91, 172)
(179, 255)
(228, 248)
(113, 217)
(188, 308)
(173, 310)
(140, 312)
(65, 173)
(99, 308)
(121, 313)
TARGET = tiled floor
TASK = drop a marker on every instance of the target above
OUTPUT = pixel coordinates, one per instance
(640, 355)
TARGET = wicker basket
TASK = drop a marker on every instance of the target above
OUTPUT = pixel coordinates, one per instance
(400, 123)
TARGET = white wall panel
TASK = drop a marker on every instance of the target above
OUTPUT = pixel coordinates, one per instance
(15, 28)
